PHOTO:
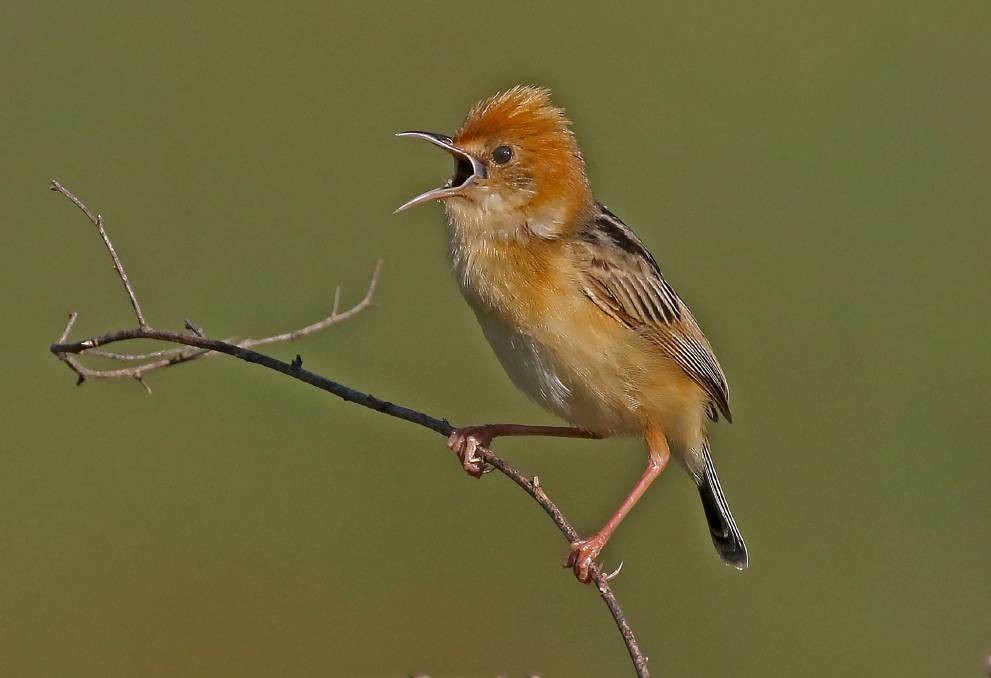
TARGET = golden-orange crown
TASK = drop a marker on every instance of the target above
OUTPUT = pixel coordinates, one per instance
(545, 146)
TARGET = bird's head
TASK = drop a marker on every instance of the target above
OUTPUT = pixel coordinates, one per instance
(516, 162)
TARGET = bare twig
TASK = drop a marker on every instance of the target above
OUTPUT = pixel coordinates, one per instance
(118, 266)
(133, 357)
(68, 327)
(332, 319)
(141, 380)
(196, 345)
(178, 356)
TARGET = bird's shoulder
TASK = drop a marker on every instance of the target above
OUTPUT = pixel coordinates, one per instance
(621, 277)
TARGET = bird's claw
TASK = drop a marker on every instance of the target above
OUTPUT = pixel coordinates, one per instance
(465, 442)
(583, 555)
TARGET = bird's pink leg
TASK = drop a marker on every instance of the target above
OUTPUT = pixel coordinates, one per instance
(465, 441)
(584, 552)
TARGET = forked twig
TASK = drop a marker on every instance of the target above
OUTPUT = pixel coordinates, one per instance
(196, 345)
(156, 360)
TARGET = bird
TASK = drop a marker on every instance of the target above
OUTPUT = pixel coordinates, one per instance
(575, 307)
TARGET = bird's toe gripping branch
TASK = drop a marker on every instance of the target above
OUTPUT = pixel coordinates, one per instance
(583, 556)
(465, 442)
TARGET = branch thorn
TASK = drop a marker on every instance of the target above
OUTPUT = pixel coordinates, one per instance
(194, 328)
(615, 573)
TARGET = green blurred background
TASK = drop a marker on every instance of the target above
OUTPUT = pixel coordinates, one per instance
(814, 180)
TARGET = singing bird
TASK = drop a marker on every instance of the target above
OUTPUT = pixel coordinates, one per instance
(575, 306)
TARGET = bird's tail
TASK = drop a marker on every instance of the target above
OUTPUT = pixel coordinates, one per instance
(725, 534)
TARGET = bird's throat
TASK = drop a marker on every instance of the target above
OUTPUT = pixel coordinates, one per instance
(503, 272)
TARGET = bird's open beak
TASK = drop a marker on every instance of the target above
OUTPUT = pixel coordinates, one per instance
(467, 170)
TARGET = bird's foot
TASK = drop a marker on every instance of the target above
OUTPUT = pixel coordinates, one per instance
(465, 442)
(583, 555)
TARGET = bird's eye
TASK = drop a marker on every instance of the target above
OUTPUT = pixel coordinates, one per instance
(502, 154)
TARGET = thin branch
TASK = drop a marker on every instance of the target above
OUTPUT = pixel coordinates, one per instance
(196, 345)
(178, 356)
(68, 327)
(134, 357)
(331, 319)
(118, 266)
(141, 380)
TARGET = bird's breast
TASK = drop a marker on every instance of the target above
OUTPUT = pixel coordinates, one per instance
(554, 345)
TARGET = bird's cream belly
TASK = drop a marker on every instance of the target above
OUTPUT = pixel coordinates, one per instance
(581, 384)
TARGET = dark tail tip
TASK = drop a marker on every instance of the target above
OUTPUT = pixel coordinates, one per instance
(725, 534)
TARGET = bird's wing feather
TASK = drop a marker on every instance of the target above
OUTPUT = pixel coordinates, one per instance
(621, 277)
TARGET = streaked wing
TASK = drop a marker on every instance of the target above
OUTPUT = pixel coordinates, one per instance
(621, 277)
